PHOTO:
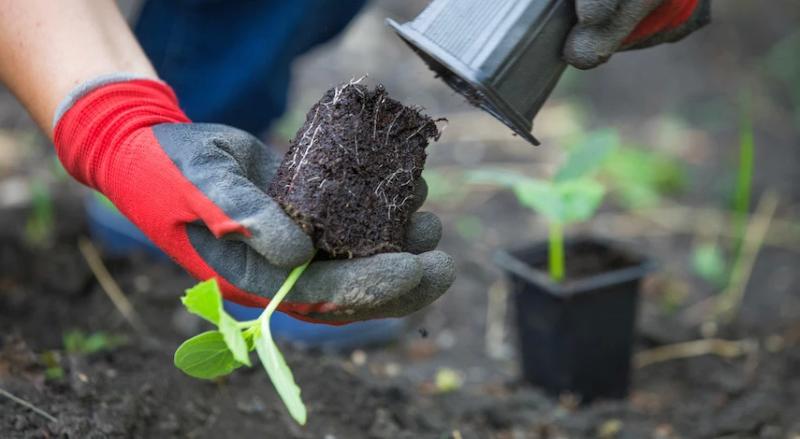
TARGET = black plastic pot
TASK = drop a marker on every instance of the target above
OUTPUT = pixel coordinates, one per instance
(576, 336)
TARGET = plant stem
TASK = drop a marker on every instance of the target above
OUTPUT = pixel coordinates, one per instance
(246, 324)
(287, 286)
(556, 252)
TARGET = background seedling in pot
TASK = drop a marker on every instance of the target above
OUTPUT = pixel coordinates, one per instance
(571, 196)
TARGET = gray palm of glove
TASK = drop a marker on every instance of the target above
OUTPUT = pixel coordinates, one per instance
(233, 169)
(603, 26)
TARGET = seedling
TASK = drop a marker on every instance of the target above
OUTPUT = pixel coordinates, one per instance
(572, 196)
(219, 352)
(709, 260)
(40, 224)
(79, 342)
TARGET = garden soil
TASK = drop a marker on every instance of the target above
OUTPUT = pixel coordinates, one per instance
(134, 390)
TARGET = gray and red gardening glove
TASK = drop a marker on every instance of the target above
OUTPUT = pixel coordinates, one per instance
(198, 192)
(608, 26)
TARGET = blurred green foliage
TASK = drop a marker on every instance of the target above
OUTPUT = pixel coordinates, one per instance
(41, 220)
(744, 175)
(708, 262)
(79, 342)
(52, 365)
(782, 63)
(639, 178)
(470, 227)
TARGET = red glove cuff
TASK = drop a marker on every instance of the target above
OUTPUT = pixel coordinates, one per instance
(668, 16)
(92, 130)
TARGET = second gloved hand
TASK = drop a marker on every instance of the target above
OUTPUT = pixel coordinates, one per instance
(197, 191)
(608, 26)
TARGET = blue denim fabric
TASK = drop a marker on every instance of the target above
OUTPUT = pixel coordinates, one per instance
(229, 60)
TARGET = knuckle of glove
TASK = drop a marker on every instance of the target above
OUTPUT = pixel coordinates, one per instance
(589, 46)
(595, 11)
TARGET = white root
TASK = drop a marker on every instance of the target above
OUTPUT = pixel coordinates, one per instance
(375, 124)
(303, 160)
(389, 130)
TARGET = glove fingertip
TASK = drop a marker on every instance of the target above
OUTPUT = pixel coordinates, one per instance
(424, 232)
(439, 271)
(585, 49)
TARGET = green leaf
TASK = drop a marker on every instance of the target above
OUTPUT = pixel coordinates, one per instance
(589, 155)
(579, 199)
(234, 338)
(708, 262)
(205, 300)
(279, 373)
(564, 203)
(205, 356)
(540, 196)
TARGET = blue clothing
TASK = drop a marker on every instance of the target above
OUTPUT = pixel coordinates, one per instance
(229, 61)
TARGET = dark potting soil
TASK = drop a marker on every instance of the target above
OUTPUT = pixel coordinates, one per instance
(350, 173)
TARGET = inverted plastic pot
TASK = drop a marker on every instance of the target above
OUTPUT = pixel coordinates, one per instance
(503, 55)
(578, 336)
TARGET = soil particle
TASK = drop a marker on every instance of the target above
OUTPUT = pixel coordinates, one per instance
(350, 173)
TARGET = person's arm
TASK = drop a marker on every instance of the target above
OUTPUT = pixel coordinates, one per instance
(196, 190)
(47, 48)
(76, 67)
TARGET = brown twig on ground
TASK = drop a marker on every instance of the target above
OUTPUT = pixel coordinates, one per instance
(709, 346)
(28, 405)
(496, 310)
(109, 285)
(731, 298)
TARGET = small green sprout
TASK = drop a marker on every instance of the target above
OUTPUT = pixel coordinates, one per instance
(572, 196)
(708, 262)
(41, 221)
(219, 352)
(78, 342)
(52, 364)
(744, 175)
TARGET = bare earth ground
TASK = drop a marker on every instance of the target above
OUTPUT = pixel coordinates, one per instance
(679, 99)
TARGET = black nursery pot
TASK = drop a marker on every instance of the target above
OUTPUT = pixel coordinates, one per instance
(576, 336)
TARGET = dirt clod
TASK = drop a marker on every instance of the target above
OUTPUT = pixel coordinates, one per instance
(349, 177)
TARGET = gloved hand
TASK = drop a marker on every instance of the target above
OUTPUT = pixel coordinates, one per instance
(197, 191)
(607, 26)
